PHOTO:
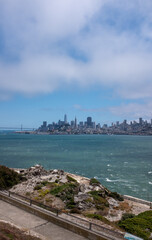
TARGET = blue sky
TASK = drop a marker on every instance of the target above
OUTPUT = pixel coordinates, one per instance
(83, 58)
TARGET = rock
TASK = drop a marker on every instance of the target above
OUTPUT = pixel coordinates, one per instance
(80, 197)
(113, 202)
(82, 188)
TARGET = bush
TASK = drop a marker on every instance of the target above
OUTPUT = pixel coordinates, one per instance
(99, 201)
(94, 181)
(116, 196)
(9, 178)
(71, 179)
(75, 210)
(140, 225)
(98, 217)
(66, 193)
(127, 215)
(38, 187)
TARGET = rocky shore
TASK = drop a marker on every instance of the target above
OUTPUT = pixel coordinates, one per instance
(73, 193)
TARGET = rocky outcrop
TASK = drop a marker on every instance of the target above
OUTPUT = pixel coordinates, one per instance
(65, 190)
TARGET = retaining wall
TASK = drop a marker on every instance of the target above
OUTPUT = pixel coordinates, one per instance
(138, 200)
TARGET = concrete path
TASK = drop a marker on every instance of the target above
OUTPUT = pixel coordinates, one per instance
(29, 221)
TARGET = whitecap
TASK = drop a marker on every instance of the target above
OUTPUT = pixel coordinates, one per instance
(96, 177)
(108, 165)
(109, 180)
(150, 183)
(149, 172)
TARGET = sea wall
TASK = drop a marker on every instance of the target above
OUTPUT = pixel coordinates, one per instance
(138, 200)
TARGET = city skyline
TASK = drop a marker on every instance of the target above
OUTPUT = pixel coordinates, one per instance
(98, 63)
(65, 127)
(89, 120)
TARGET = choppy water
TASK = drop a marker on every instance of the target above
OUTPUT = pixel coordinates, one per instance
(121, 163)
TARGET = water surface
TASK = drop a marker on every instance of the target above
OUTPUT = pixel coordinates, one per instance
(121, 163)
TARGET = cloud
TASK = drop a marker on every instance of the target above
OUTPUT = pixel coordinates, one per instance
(133, 110)
(95, 110)
(47, 45)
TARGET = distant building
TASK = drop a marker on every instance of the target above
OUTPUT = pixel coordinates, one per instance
(140, 121)
(65, 119)
(44, 127)
(89, 121)
(72, 123)
(81, 124)
(125, 122)
(75, 123)
(94, 125)
(117, 123)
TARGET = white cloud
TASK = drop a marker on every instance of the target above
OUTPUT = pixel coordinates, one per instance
(48, 44)
(133, 110)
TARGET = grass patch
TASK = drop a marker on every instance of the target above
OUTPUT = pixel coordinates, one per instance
(43, 193)
(140, 225)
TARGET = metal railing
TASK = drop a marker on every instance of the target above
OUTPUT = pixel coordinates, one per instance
(102, 230)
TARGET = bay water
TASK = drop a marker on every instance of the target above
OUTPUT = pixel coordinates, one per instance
(121, 163)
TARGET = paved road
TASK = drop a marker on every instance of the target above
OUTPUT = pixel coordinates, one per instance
(29, 221)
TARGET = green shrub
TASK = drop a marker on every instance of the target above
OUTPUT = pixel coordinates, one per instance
(116, 196)
(55, 191)
(44, 183)
(75, 210)
(140, 225)
(98, 217)
(38, 187)
(66, 193)
(9, 178)
(71, 179)
(99, 201)
(94, 181)
(42, 193)
(127, 215)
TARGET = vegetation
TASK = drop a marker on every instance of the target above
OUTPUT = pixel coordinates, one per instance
(98, 217)
(94, 181)
(9, 232)
(8, 178)
(71, 179)
(66, 193)
(38, 187)
(127, 215)
(140, 225)
(116, 196)
(99, 201)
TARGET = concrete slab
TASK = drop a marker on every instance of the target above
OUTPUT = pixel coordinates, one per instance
(52, 231)
(29, 221)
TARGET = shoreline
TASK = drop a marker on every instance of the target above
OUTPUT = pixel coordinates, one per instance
(82, 179)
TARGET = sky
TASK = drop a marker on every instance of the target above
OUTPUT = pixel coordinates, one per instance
(76, 57)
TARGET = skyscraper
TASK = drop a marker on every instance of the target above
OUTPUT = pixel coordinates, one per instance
(75, 122)
(65, 118)
(89, 121)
